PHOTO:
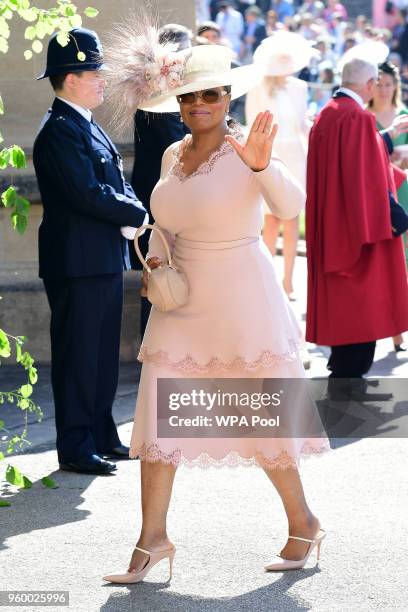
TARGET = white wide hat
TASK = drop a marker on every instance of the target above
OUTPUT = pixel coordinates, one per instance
(203, 67)
(371, 51)
(283, 53)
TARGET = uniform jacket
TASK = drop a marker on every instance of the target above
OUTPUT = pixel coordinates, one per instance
(85, 197)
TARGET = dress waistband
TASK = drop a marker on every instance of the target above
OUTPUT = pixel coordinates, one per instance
(215, 246)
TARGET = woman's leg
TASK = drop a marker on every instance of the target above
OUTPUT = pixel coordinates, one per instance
(290, 240)
(156, 487)
(270, 232)
(301, 521)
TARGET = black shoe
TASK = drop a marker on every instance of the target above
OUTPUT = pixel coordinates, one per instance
(359, 392)
(89, 465)
(118, 452)
(342, 389)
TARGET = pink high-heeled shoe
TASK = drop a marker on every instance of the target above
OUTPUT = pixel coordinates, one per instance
(154, 557)
(282, 564)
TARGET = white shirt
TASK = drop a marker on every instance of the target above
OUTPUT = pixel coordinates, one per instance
(231, 23)
(352, 94)
(85, 112)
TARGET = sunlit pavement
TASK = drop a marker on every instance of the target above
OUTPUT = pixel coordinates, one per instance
(226, 523)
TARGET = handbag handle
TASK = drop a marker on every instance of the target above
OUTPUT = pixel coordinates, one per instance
(139, 231)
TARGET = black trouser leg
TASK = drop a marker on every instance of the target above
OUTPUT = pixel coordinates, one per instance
(77, 313)
(351, 360)
(104, 430)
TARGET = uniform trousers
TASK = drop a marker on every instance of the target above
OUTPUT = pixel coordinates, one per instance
(86, 317)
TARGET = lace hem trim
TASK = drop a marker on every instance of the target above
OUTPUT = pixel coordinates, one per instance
(188, 364)
(206, 166)
(153, 453)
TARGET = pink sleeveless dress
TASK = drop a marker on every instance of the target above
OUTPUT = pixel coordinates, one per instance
(237, 322)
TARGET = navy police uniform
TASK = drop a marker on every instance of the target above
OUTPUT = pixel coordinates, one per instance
(82, 255)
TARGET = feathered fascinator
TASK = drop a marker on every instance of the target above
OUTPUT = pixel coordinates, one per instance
(147, 74)
(140, 68)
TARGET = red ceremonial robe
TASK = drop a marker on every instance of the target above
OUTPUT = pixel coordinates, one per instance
(357, 280)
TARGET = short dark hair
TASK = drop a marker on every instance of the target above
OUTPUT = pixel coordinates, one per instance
(208, 25)
(253, 10)
(57, 80)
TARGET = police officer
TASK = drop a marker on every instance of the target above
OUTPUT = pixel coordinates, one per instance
(82, 254)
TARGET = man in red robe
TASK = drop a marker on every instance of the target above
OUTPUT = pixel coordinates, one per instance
(357, 279)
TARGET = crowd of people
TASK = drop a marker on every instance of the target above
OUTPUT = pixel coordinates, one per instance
(325, 25)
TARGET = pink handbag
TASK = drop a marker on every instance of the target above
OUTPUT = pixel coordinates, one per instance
(167, 287)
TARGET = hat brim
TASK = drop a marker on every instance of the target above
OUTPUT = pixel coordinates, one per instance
(275, 67)
(372, 51)
(283, 54)
(85, 67)
(241, 80)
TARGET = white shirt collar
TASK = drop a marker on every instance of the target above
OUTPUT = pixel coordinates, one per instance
(86, 113)
(352, 94)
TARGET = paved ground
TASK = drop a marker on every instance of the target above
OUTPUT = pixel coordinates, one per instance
(226, 523)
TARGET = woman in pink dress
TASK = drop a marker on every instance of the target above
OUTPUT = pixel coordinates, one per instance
(237, 322)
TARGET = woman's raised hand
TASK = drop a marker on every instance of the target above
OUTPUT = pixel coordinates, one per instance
(256, 152)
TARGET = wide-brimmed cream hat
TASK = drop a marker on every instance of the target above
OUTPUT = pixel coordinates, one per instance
(283, 53)
(204, 67)
(372, 51)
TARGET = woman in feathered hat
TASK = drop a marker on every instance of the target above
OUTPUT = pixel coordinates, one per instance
(237, 321)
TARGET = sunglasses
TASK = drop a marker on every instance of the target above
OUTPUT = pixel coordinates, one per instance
(209, 96)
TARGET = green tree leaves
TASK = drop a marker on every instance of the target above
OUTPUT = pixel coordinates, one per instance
(20, 208)
(5, 348)
(37, 46)
(49, 482)
(14, 476)
(63, 38)
(91, 12)
(26, 391)
(13, 156)
(30, 33)
(44, 22)
(20, 396)
(18, 158)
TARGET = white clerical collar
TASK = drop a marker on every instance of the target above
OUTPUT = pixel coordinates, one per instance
(82, 111)
(352, 94)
